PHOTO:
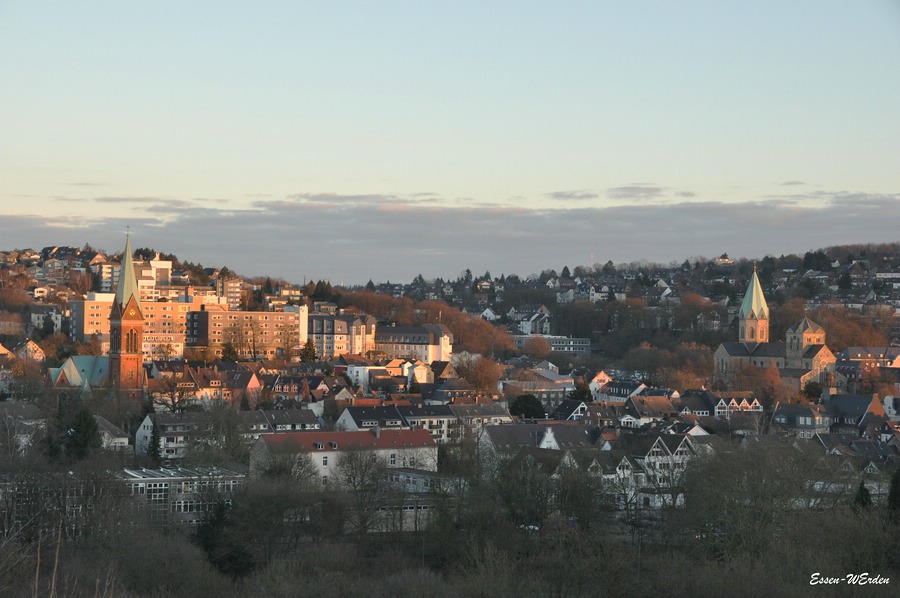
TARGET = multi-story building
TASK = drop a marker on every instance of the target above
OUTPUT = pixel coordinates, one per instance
(334, 335)
(253, 334)
(90, 317)
(428, 343)
(558, 344)
(231, 289)
(164, 322)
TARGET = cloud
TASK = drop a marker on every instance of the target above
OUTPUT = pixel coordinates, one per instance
(352, 238)
(635, 192)
(686, 194)
(572, 195)
(87, 184)
(155, 201)
(792, 183)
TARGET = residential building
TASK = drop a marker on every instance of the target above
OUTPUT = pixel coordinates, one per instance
(253, 334)
(334, 335)
(392, 448)
(428, 343)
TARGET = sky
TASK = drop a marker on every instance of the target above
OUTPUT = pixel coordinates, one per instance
(351, 141)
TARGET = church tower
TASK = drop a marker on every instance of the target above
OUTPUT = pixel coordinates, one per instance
(126, 331)
(754, 315)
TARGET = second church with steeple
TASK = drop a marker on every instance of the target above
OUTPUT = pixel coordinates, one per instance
(802, 358)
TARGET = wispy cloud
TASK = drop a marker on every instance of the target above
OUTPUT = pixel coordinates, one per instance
(581, 195)
(637, 192)
(792, 183)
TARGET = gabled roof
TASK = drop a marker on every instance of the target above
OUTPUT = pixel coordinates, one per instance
(82, 371)
(805, 325)
(511, 437)
(295, 442)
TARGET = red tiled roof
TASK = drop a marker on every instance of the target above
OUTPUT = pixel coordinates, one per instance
(290, 442)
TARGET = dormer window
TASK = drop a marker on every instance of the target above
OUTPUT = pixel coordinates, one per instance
(320, 445)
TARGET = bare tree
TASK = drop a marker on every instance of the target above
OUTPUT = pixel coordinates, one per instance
(359, 474)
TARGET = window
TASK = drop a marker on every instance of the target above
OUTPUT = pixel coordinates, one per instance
(325, 461)
(393, 459)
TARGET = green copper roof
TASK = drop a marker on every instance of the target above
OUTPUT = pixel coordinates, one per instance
(754, 305)
(127, 286)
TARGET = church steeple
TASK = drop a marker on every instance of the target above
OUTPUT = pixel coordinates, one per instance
(126, 331)
(754, 314)
(127, 285)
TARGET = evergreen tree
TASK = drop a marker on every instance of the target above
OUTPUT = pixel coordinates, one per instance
(229, 353)
(893, 499)
(527, 406)
(308, 353)
(83, 435)
(370, 286)
(863, 498)
(154, 451)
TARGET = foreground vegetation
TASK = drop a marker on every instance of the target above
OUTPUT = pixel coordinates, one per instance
(514, 531)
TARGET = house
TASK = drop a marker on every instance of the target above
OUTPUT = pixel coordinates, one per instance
(804, 421)
(112, 437)
(508, 439)
(849, 413)
(178, 431)
(363, 418)
(641, 410)
(392, 448)
(474, 418)
(618, 391)
(570, 410)
(29, 350)
(438, 420)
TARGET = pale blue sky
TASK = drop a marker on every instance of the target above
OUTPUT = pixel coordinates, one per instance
(385, 139)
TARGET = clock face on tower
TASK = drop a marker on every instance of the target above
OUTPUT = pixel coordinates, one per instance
(130, 312)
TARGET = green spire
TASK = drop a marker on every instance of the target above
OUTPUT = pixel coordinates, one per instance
(754, 305)
(127, 286)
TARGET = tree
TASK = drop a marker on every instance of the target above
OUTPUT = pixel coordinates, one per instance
(481, 372)
(83, 435)
(164, 352)
(863, 498)
(528, 406)
(175, 394)
(813, 390)
(537, 347)
(893, 499)
(582, 392)
(359, 473)
(229, 352)
(308, 352)
(154, 450)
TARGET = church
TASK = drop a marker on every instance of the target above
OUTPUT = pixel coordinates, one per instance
(122, 371)
(802, 357)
